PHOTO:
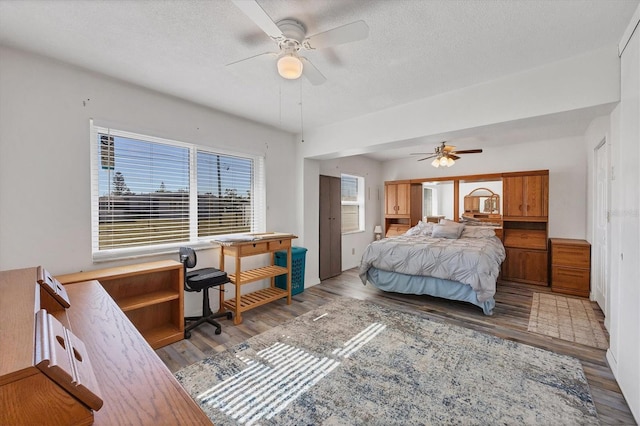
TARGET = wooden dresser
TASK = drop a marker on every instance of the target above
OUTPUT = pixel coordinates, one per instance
(105, 352)
(570, 266)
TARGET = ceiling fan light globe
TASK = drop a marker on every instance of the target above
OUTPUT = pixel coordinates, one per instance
(450, 162)
(435, 163)
(290, 67)
(443, 161)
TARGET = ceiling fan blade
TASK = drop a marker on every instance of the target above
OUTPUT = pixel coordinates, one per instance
(253, 57)
(448, 148)
(312, 73)
(420, 153)
(257, 14)
(468, 151)
(354, 31)
(426, 158)
(453, 156)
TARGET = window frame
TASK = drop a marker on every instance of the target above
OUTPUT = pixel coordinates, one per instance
(258, 202)
(359, 202)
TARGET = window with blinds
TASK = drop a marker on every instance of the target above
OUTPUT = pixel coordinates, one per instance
(224, 194)
(352, 197)
(151, 193)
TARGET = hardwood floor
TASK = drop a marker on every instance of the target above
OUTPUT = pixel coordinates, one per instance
(510, 320)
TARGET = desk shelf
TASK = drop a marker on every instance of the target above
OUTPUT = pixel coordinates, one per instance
(255, 299)
(259, 274)
(140, 301)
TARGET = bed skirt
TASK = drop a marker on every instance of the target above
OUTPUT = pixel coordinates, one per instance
(412, 284)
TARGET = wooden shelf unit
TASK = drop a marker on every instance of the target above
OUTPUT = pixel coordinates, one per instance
(239, 249)
(150, 294)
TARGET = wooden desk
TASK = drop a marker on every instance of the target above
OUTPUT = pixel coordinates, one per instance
(136, 386)
(133, 383)
(240, 249)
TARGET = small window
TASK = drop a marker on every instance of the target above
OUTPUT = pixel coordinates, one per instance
(153, 194)
(352, 190)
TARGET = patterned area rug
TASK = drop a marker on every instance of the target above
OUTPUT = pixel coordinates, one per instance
(567, 318)
(354, 362)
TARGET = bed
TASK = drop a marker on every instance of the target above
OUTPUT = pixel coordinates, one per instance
(447, 260)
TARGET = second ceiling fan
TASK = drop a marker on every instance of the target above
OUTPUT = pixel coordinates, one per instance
(445, 155)
(291, 37)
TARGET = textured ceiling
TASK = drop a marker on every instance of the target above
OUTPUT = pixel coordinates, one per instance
(415, 49)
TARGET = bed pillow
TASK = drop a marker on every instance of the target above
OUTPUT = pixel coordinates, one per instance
(477, 232)
(443, 230)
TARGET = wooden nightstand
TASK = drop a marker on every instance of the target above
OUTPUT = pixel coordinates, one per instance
(570, 266)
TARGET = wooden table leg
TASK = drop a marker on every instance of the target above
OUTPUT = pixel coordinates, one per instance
(238, 316)
(221, 307)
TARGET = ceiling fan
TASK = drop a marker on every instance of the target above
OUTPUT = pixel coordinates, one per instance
(291, 37)
(445, 155)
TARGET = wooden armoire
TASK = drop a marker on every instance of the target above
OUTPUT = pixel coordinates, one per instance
(525, 219)
(330, 244)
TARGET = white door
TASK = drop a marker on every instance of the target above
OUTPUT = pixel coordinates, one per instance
(600, 249)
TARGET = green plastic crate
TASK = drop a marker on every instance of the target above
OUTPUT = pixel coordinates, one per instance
(298, 255)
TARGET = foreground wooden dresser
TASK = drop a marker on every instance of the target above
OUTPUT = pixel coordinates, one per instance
(134, 384)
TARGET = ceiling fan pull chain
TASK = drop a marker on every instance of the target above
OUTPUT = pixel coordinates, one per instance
(301, 119)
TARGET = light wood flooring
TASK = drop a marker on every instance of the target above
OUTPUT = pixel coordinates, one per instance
(509, 321)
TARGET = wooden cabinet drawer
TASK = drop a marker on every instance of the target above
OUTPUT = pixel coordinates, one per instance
(570, 280)
(279, 245)
(526, 238)
(571, 255)
(255, 248)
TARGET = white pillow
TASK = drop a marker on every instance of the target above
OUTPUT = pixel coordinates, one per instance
(450, 231)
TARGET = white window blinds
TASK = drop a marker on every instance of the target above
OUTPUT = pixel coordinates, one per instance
(225, 194)
(150, 193)
(352, 198)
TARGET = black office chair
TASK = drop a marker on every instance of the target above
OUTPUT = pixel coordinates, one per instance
(201, 280)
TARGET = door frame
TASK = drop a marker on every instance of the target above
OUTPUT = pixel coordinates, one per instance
(601, 268)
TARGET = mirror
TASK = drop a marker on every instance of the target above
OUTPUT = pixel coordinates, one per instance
(437, 201)
(482, 202)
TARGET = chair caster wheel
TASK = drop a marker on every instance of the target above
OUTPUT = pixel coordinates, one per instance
(229, 315)
(218, 331)
(187, 335)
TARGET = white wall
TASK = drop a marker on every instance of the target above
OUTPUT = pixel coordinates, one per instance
(353, 244)
(45, 107)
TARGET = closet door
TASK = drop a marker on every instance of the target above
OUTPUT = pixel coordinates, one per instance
(330, 244)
